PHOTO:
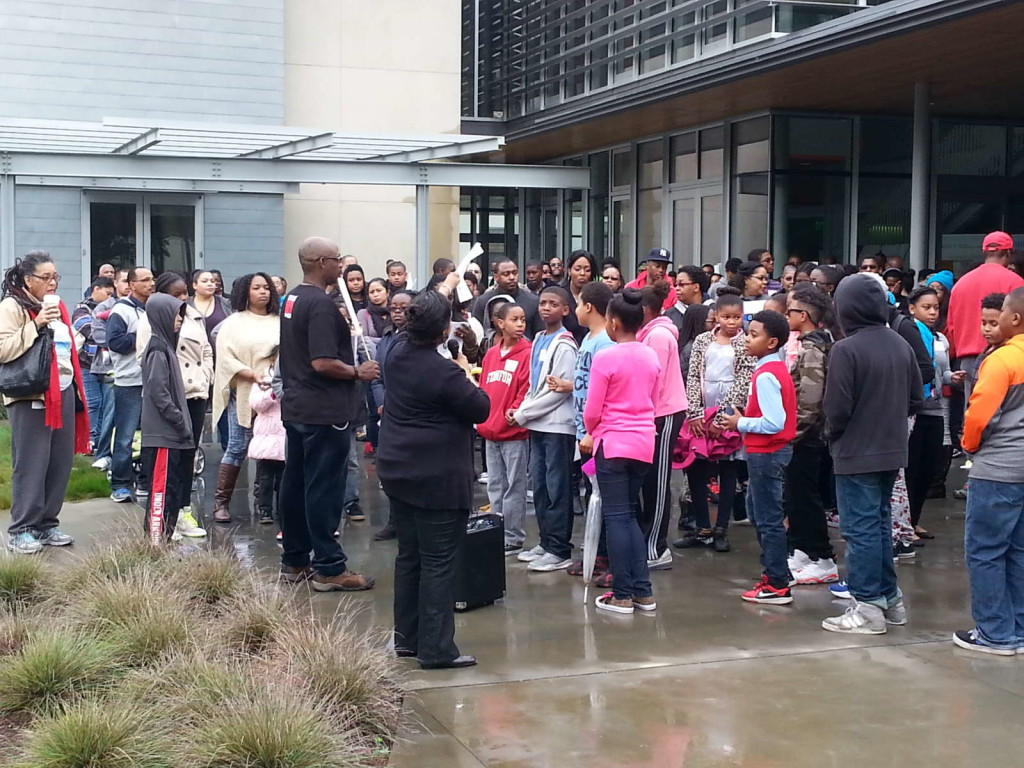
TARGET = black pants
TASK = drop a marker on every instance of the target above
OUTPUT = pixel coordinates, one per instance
(925, 454)
(425, 579)
(170, 473)
(312, 496)
(656, 496)
(197, 414)
(268, 484)
(698, 474)
(804, 505)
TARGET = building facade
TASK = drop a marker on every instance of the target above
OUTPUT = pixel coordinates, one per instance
(824, 130)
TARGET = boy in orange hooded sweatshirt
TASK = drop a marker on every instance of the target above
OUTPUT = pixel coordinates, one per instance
(505, 377)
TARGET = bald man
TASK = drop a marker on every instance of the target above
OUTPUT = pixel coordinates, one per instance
(322, 391)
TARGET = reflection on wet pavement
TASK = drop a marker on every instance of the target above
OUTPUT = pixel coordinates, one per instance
(705, 681)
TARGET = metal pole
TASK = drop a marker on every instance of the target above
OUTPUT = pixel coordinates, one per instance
(919, 178)
(422, 235)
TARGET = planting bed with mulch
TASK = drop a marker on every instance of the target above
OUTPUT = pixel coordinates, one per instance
(142, 657)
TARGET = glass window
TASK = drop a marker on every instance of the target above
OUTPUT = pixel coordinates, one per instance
(883, 216)
(651, 157)
(112, 235)
(622, 233)
(684, 43)
(682, 230)
(750, 146)
(716, 34)
(712, 152)
(711, 246)
(684, 158)
(811, 212)
(172, 238)
(622, 168)
(649, 223)
(749, 213)
(970, 150)
(813, 143)
(755, 23)
(886, 146)
(598, 218)
(1017, 152)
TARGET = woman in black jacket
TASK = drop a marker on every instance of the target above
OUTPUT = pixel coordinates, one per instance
(425, 464)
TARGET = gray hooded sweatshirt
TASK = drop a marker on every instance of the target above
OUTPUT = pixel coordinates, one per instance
(165, 419)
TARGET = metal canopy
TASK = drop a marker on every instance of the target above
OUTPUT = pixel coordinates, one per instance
(223, 140)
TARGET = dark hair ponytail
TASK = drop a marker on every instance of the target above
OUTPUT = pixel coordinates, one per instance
(14, 277)
(628, 308)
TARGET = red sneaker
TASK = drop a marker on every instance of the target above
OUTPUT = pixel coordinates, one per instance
(765, 593)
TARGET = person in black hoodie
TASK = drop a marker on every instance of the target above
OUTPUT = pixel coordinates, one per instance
(166, 426)
(873, 385)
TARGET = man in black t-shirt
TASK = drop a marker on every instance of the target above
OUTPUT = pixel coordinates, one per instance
(321, 397)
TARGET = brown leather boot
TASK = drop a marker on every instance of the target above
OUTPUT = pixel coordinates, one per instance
(227, 476)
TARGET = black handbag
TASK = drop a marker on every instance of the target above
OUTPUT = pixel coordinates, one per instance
(29, 374)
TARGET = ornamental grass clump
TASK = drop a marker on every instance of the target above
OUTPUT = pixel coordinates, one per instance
(251, 622)
(23, 581)
(55, 668)
(207, 579)
(93, 734)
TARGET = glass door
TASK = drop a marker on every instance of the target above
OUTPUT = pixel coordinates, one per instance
(170, 233)
(697, 227)
(113, 232)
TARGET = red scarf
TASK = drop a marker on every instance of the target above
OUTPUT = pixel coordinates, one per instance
(52, 397)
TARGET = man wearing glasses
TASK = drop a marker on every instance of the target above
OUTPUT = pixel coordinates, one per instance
(121, 327)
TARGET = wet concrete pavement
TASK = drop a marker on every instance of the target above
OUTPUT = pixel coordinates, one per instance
(706, 680)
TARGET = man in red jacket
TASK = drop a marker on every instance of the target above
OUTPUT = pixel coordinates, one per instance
(963, 324)
(658, 261)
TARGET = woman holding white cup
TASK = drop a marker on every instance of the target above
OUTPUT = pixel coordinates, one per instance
(48, 426)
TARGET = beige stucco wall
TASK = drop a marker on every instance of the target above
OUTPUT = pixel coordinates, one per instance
(389, 66)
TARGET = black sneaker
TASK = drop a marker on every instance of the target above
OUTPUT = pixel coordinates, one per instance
(694, 540)
(515, 549)
(720, 540)
(354, 512)
(266, 517)
(903, 552)
(387, 533)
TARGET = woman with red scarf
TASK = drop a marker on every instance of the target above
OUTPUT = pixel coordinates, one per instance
(49, 427)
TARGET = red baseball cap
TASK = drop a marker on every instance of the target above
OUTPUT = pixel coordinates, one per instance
(997, 241)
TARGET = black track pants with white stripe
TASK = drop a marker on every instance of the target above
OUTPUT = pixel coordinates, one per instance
(170, 472)
(656, 496)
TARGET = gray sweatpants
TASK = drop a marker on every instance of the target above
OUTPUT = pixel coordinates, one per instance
(507, 463)
(42, 464)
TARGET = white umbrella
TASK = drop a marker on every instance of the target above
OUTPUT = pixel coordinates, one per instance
(592, 532)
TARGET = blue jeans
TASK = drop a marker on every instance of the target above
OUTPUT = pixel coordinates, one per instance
(127, 412)
(994, 546)
(105, 435)
(238, 437)
(94, 404)
(312, 495)
(550, 470)
(865, 522)
(765, 509)
(620, 482)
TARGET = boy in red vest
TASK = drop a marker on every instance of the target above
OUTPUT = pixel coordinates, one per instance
(768, 427)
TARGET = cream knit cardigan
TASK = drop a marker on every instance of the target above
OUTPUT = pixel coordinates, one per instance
(245, 342)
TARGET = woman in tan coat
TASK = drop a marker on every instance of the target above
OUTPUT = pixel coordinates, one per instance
(49, 426)
(246, 343)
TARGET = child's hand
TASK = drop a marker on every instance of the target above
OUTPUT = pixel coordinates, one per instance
(587, 445)
(697, 427)
(959, 377)
(556, 384)
(510, 417)
(728, 421)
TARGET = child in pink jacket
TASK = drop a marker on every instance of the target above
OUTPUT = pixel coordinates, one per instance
(267, 446)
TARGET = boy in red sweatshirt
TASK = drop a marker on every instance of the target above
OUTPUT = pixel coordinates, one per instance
(505, 377)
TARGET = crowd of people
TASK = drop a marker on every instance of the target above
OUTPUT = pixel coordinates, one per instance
(825, 395)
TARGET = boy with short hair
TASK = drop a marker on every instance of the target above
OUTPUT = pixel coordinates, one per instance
(397, 277)
(768, 426)
(548, 414)
(994, 527)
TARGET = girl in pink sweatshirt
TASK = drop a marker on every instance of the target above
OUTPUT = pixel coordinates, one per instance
(619, 419)
(267, 445)
(660, 334)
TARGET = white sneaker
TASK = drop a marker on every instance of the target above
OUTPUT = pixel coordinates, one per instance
(188, 526)
(102, 464)
(548, 562)
(529, 497)
(483, 478)
(663, 563)
(798, 560)
(529, 555)
(859, 619)
(823, 571)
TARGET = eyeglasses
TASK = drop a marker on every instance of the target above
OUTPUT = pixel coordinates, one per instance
(336, 258)
(683, 285)
(794, 309)
(47, 278)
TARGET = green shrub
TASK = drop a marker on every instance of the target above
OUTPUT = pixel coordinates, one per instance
(271, 730)
(345, 671)
(140, 618)
(52, 669)
(93, 734)
(23, 580)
